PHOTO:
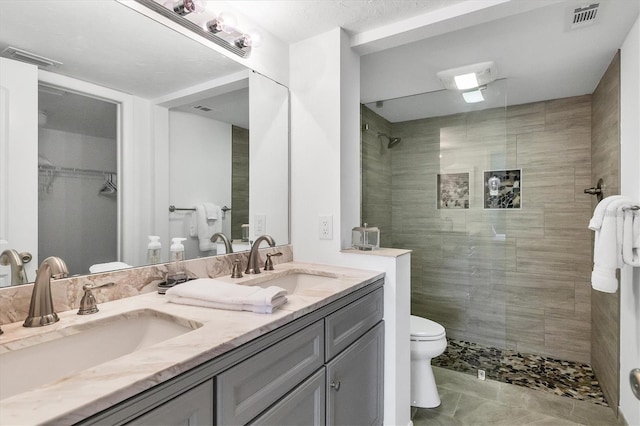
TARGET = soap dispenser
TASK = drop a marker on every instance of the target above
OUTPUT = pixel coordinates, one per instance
(153, 250)
(177, 273)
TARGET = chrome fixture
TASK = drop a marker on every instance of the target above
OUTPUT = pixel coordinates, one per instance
(634, 381)
(236, 273)
(219, 29)
(598, 190)
(253, 265)
(391, 141)
(88, 302)
(268, 264)
(41, 308)
(227, 244)
(11, 257)
(185, 7)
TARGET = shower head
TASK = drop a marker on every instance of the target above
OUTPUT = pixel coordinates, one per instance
(391, 141)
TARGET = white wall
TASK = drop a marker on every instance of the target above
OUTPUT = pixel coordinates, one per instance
(630, 186)
(325, 176)
(268, 158)
(18, 152)
(199, 172)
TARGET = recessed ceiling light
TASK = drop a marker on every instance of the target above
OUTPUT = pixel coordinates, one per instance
(466, 81)
(483, 73)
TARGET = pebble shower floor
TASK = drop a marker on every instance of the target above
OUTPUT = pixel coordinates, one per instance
(564, 378)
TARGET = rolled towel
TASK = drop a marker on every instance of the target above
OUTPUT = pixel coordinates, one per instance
(211, 293)
(109, 266)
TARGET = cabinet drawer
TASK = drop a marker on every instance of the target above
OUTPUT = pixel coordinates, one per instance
(248, 388)
(345, 326)
(305, 405)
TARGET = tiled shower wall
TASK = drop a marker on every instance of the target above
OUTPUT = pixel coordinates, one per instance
(239, 180)
(529, 289)
(605, 151)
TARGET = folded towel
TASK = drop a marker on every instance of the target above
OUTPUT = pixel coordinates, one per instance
(607, 249)
(109, 266)
(630, 237)
(598, 214)
(211, 293)
(206, 228)
(213, 211)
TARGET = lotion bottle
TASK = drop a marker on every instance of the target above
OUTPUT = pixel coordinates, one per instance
(177, 273)
(154, 250)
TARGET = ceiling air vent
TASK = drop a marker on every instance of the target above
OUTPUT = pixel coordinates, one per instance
(28, 57)
(583, 16)
(202, 108)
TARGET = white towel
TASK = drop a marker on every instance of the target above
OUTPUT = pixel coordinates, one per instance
(598, 214)
(607, 249)
(109, 266)
(211, 293)
(631, 238)
(213, 211)
(206, 227)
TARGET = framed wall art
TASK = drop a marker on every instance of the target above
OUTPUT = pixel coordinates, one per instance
(503, 189)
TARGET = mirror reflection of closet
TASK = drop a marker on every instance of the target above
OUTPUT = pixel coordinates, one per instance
(77, 178)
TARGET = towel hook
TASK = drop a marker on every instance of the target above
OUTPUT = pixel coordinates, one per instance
(598, 191)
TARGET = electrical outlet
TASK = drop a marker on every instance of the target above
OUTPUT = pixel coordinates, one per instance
(261, 225)
(325, 224)
(481, 374)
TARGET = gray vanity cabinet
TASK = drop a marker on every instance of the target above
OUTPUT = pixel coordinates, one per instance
(194, 407)
(355, 382)
(325, 367)
(305, 405)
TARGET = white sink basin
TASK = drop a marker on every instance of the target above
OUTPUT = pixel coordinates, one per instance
(298, 282)
(76, 348)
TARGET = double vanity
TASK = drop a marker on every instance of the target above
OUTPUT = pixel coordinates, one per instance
(318, 359)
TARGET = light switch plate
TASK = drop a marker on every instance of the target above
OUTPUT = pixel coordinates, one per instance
(261, 225)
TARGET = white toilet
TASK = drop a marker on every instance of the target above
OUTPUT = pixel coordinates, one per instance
(428, 340)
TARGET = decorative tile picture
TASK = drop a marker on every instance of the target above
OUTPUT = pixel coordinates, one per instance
(503, 189)
(453, 190)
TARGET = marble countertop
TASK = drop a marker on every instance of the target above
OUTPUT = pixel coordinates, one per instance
(71, 399)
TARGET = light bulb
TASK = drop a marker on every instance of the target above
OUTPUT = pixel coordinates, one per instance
(184, 7)
(224, 22)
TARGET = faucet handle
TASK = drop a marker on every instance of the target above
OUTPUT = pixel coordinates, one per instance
(236, 272)
(88, 302)
(268, 264)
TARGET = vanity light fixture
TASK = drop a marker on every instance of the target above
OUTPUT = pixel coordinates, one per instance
(185, 7)
(468, 76)
(220, 29)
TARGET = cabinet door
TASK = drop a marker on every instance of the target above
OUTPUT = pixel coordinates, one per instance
(302, 406)
(194, 407)
(355, 382)
(250, 387)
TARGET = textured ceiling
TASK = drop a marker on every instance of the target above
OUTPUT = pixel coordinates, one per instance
(295, 20)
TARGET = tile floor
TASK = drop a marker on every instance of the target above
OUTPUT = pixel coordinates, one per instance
(469, 401)
(554, 376)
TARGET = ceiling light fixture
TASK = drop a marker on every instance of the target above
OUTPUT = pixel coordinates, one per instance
(468, 76)
(474, 96)
(220, 29)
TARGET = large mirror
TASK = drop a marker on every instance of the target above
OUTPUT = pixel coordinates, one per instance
(114, 133)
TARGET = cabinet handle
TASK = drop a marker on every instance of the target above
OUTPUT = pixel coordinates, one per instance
(335, 385)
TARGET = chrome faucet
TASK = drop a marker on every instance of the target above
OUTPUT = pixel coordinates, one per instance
(253, 265)
(41, 308)
(17, 261)
(227, 244)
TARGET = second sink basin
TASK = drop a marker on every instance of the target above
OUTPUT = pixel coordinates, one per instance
(76, 348)
(298, 282)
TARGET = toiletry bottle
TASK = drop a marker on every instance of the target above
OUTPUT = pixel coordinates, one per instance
(177, 273)
(153, 250)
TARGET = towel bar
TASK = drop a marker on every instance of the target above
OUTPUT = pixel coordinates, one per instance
(173, 208)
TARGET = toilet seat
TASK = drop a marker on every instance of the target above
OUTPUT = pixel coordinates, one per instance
(423, 329)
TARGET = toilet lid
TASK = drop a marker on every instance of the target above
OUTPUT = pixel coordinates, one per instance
(424, 329)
